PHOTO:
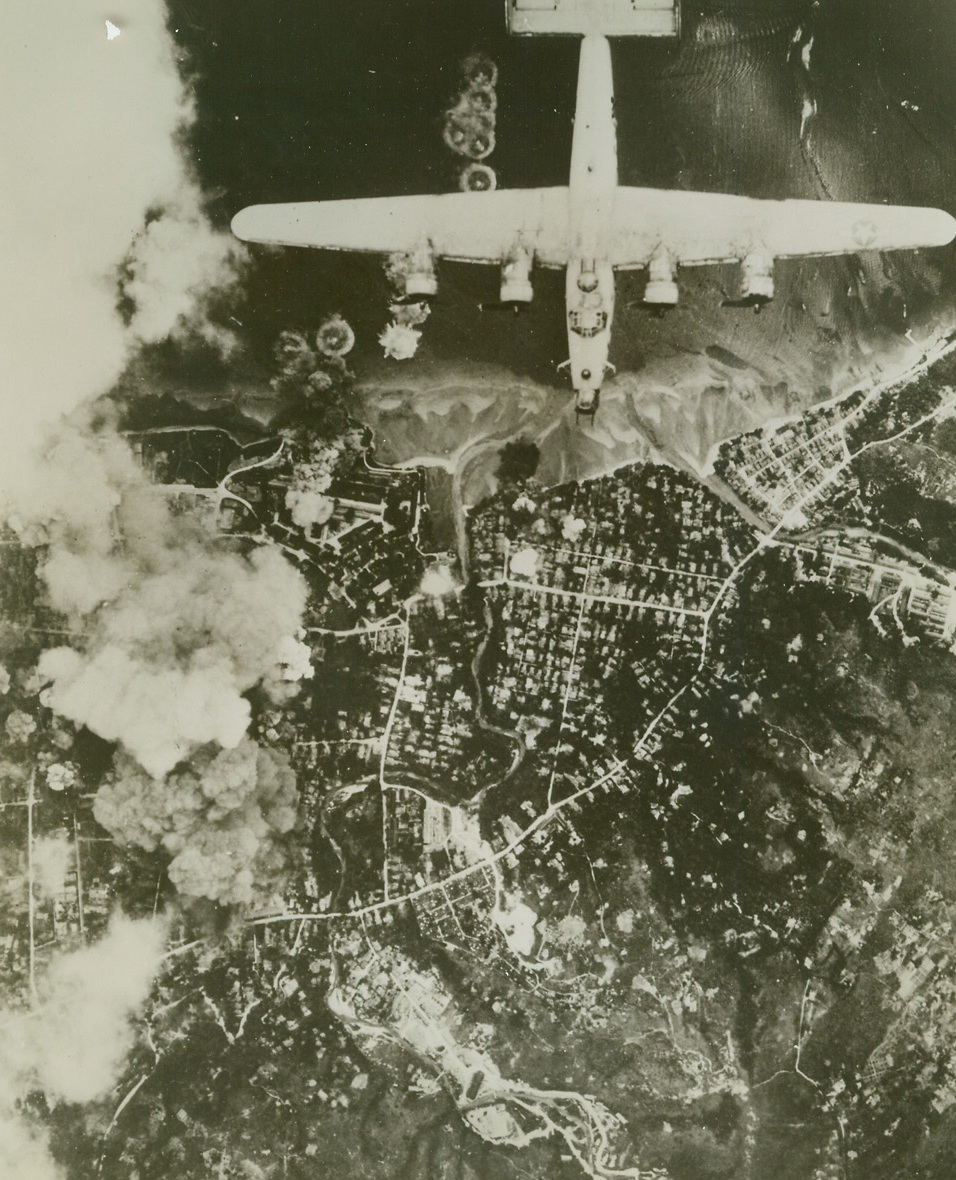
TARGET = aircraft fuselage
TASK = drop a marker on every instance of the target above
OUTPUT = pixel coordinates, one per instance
(590, 276)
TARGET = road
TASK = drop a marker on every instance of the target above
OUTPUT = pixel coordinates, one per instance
(767, 539)
(583, 1125)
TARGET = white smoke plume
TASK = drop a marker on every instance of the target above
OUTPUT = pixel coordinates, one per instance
(72, 1046)
(23, 1150)
(88, 127)
(172, 266)
(174, 628)
(51, 861)
(294, 660)
(220, 819)
(97, 189)
(309, 507)
(399, 341)
(437, 581)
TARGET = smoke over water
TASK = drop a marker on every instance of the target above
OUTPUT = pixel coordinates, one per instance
(172, 266)
(86, 176)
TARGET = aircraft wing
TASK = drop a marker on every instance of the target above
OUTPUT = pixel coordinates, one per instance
(467, 227)
(698, 229)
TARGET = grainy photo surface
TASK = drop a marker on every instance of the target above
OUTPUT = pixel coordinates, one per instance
(478, 590)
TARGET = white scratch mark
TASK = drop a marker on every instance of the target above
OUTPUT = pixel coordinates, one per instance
(806, 115)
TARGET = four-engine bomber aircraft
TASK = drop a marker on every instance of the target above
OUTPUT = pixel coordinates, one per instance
(593, 227)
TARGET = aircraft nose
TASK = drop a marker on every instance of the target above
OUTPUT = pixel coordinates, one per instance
(243, 223)
(259, 223)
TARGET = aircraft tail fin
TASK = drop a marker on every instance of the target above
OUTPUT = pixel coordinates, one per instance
(606, 18)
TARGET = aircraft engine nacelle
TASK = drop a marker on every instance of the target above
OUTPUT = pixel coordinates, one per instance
(661, 289)
(421, 279)
(516, 286)
(756, 277)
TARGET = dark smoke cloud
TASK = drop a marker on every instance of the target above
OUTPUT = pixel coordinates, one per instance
(175, 628)
(221, 819)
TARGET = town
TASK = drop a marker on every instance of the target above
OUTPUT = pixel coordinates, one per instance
(487, 753)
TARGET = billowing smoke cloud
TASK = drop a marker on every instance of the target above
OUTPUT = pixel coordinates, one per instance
(221, 819)
(89, 130)
(23, 1150)
(72, 1046)
(172, 266)
(174, 627)
(100, 210)
(399, 341)
(400, 337)
(87, 997)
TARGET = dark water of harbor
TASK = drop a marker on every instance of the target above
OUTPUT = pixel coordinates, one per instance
(846, 99)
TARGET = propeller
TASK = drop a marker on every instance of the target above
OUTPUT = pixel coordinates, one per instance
(757, 302)
(741, 301)
(411, 300)
(658, 310)
(515, 306)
